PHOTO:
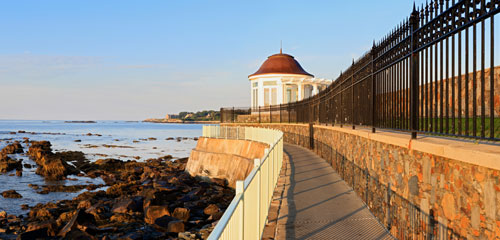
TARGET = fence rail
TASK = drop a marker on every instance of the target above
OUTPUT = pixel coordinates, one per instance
(425, 76)
(246, 216)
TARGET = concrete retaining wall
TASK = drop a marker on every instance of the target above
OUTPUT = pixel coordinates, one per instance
(449, 185)
(224, 158)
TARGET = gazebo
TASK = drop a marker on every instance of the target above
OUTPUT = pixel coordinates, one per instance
(282, 80)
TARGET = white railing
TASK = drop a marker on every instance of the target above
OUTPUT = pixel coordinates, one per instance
(246, 216)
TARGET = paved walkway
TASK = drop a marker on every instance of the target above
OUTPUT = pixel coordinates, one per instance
(318, 204)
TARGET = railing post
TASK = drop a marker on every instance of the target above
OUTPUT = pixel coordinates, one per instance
(240, 189)
(270, 114)
(352, 95)
(221, 115)
(280, 112)
(414, 24)
(256, 163)
(259, 114)
(233, 114)
(374, 94)
(288, 107)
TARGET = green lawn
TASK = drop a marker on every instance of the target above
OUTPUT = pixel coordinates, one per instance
(461, 125)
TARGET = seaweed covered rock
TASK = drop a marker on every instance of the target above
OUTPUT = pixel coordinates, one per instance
(12, 148)
(8, 164)
(52, 166)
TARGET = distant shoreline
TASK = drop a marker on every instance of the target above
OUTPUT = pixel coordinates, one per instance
(179, 121)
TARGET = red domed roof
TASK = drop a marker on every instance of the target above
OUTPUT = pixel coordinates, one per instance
(281, 63)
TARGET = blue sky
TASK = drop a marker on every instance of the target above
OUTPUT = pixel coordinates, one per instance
(130, 60)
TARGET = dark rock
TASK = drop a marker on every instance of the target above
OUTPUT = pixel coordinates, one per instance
(7, 164)
(80, 220)
(175, 226)
(54, 168)
(152, 213)
(211, 209)
(220, 181)
(35, 234)
(163, 221)
(181, 213)
(132, 236)
(49, 226)
(40, 213)
(26, 165)
(12, 148)
(11, 194)
(127, 204)
(39, 149)
(19, 173)
(79, 235)
(25, 206)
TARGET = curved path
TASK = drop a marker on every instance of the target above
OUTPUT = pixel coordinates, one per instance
(318, 204)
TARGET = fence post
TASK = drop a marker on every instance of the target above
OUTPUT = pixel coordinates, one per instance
(270, 114)
(259, 114)
(280, 112)
(288, 107)
(311, 136)
(256, 164)
(414, 24)
(240, 189)
(221, 115)
(352, 95)
(374, 94)
(233, 114)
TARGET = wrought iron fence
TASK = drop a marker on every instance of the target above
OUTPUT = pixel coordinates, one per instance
(425, 76)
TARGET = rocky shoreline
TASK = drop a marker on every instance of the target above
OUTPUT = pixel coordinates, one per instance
(154, 199)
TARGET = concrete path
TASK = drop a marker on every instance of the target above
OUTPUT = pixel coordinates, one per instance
(318, 204)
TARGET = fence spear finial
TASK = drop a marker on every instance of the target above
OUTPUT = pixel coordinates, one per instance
(414, 9)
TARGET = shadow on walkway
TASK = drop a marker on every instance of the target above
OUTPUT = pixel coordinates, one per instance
(318, 204)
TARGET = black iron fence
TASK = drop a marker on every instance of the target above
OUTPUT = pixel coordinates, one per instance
(434, 73)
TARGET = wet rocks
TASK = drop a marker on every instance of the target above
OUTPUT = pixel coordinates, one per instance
(154, 199)
(79, 221)
(8, 164)
(12, 148)
(181, 213)
(53, 166)
(11, 194)
(152, 213)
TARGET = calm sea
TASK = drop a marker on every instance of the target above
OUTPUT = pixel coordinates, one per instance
(104, 139)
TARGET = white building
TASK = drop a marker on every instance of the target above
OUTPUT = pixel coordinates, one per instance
(281, 80)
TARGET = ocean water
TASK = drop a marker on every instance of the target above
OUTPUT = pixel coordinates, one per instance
(105, 139)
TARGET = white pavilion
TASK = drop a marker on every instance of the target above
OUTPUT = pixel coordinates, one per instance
(282, 80)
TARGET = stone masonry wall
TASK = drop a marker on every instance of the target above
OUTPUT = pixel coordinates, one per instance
(414, 193)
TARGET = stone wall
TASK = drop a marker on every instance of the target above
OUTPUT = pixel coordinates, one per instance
(224, 158)
(417, 188)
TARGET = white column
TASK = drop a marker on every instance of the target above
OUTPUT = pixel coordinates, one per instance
(280, 91)
(315, 89)
(261, 93)
(299, 91)
(251, 95)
